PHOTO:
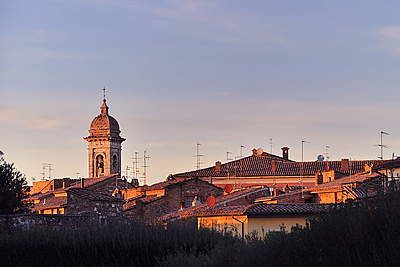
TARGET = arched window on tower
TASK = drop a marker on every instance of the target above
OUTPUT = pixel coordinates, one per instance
(100, 164)
(115, 163)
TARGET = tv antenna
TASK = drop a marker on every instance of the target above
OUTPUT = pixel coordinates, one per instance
(302, 149)
(271, 144)
(135, 165)
(227, 156)
(381, 145)
(145, 158)
(46, 166)
(241, 151)
(326, 153)
(198, 157)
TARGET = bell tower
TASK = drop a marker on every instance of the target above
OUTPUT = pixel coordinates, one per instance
(104, 144)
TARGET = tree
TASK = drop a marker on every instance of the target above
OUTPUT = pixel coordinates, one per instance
(13, 189)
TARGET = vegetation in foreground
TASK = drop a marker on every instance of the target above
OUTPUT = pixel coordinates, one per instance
(354, 235)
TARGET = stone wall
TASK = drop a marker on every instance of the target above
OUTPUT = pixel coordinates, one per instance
(25, 221)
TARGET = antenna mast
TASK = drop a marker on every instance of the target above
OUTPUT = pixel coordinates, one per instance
(145, 158)
(198, 157)
(241, 151)
(381, 145)
(271, 144)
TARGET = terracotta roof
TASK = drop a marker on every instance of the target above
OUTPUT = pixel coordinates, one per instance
(88, 183)
(348, 180)
(263, 166)
(92, 196)
(163, 185)
(260, 209)
(145, 199)
(219, 202)
(54, 202)
(345, 183)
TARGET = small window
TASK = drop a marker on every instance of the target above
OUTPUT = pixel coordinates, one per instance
(189, 200)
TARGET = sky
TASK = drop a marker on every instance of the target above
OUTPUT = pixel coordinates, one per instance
(224, 74)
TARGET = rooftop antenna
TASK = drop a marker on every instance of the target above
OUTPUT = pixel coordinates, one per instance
(50, 169)
(302, 165)
(381, 145)
(135, 165)
(77, 175)
(271, 144)
(302, 149)
(198, 157)
(227, 156)
(326, 153)
(43, 173)
(241, 151)
(145, 158)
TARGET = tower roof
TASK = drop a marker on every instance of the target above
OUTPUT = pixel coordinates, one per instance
(104, 125)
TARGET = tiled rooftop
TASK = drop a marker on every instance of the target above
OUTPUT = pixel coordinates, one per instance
(54, 202)
(260, 209)
(92, 196)
(219, 202)
(263, 166)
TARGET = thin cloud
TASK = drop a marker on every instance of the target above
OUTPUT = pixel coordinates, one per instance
(390, 39)
(30, 121)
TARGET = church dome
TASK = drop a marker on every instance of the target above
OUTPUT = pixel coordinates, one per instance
(104, 124)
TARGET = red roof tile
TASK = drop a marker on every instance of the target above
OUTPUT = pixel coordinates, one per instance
(54, 202)
(260, 209)
(92, 196)
(262, 166)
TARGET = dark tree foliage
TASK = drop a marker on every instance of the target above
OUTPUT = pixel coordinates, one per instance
(13, 189)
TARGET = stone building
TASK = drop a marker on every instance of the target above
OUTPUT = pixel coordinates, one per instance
(104, 146)
(170, 196)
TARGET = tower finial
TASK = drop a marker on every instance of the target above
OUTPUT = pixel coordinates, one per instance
(104, 93)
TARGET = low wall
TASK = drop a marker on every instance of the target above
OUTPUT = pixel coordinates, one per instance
(25, 221)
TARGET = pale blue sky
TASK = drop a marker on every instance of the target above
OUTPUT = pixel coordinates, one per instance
(177, 73)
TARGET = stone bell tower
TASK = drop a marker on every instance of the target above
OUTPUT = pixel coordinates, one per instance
(104, 144)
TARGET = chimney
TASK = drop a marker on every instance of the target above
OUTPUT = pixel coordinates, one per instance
(344, 165)
(285, 152)
(254, 151)
(319, 178)
(82, 182)
(218, 167)
(66, 182)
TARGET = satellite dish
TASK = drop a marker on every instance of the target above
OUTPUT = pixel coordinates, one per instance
(320, 158)
(260, 151)
(228, 188)
(210, 201)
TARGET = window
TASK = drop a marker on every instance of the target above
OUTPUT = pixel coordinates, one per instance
(189, 200)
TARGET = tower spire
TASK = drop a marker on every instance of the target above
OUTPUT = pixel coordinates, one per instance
(104, 93)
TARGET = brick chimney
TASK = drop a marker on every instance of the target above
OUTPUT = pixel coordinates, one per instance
(344, 166)
(285, 152)
(218, 167)
(66, 182)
